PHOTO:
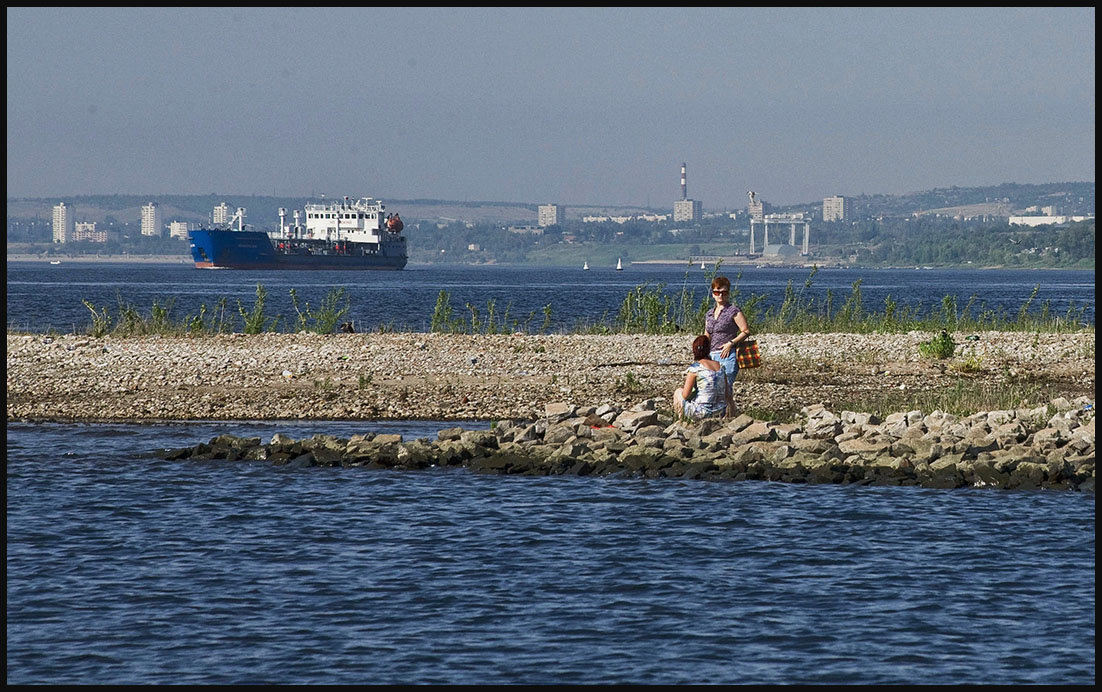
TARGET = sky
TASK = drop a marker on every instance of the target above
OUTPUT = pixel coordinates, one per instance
(574, 106)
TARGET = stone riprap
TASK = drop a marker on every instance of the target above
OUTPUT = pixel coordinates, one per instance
(1047, 447)
(489, 377)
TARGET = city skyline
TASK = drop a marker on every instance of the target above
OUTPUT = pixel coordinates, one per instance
(566, 105)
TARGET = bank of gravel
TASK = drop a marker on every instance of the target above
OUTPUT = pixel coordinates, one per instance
(489, 377)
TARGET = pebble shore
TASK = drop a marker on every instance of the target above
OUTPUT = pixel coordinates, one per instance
(486, 377)
(585, 405)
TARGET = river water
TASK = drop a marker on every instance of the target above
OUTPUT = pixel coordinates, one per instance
(43, 296)
(127, 569)
(124, 568)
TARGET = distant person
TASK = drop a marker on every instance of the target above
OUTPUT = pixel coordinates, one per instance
(725, 326)
(704, 393)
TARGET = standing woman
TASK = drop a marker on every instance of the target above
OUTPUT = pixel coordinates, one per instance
(725, 326)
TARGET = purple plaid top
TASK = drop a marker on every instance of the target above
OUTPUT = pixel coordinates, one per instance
(723, 329)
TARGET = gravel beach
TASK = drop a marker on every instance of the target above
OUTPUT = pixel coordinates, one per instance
(490, 377)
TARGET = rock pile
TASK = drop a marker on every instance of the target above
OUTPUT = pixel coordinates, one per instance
(1049, 447)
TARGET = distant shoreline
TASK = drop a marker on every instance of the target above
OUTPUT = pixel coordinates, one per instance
(136, 259)
(729, 262)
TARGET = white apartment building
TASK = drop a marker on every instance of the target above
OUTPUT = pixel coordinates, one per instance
(837, 208)
(551, 214)
(152, 222)
(64, 223)
(222, 214)
(86, 230)
(687, 210)
(178, 229)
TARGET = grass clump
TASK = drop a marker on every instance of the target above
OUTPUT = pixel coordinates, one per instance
(940, 347)
(334, 307)
(444, 319)
(256, 322)
(645, 309)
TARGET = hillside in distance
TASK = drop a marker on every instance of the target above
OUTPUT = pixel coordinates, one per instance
(1000, 200)
(997, 200)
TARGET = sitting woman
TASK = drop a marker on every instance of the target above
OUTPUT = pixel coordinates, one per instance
(707, 377)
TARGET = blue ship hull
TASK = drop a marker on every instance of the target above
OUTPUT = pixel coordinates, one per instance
(223, 249)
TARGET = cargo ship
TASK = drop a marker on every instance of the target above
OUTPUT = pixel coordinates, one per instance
(348, 234)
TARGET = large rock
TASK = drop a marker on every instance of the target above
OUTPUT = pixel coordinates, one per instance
(557, 434)
(558, 411)
(630, 421)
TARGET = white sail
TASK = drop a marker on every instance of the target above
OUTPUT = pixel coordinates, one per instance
(619, 265)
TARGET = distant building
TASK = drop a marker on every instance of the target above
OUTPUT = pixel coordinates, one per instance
(64, 223)
(179, 229)
(551, 214)
(86, 230)
(534, 230)
(1045, 220)
(687, 210)
(837, 208)
(774, 220)
(604, 219)
(152, 222)
(783, 251)
(758, 209)
(221, 214)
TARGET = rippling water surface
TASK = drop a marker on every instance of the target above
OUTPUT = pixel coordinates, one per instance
(124, 568)
(43, 297)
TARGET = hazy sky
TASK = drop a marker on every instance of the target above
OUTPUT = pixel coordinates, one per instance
(568, 105)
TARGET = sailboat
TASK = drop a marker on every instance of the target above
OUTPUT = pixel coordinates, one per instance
(701, 265)
(585, 265)
(619, 265)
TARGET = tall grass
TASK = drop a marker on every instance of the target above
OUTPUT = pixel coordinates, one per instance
(799, 313)
(646, 309)
(493, 321)
(127, 320)
(325, 319)
(653, 310)
(255, 320)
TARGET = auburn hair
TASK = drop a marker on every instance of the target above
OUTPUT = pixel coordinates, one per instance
(702, 346)
(721, 282)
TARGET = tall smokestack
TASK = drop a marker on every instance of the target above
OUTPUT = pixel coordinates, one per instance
(684, 190)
